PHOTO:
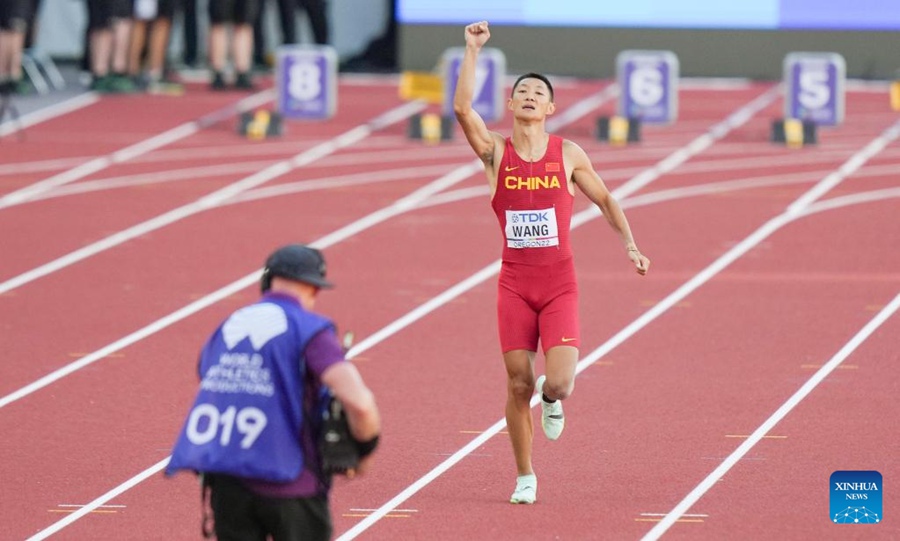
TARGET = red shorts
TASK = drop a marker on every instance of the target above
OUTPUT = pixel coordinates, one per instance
(537, 301)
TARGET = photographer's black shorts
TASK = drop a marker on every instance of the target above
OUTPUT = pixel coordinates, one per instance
(241, 515)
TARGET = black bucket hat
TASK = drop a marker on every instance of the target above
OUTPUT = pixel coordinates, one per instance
(296, 262)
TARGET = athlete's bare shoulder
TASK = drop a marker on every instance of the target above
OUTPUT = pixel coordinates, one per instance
(574, 156)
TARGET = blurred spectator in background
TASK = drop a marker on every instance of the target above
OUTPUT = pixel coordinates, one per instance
(14, 17)
(109, 24)
(150, 42)
(190, 32)
(240, 14)
(381, 53)
(316, 12)
(32, 24)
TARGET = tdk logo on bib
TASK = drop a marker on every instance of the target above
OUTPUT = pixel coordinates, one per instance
(856, 497)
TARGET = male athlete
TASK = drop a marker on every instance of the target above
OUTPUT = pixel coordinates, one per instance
(532, 177)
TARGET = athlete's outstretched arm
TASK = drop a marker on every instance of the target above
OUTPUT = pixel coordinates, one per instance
(592, 185)
(479, 137)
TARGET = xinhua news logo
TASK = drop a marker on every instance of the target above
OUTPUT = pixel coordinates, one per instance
(856, 497)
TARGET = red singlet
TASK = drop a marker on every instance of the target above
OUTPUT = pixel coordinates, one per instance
(537, 293)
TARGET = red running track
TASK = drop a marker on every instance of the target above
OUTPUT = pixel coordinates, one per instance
(650, 419)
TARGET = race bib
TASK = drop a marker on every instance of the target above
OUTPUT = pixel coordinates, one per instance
(531, 228)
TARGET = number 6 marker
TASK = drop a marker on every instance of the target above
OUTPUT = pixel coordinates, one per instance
(649, 84)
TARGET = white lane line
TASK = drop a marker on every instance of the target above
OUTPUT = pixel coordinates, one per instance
(339, 181)
(846, 169)
(155, 177)
(18, 168)
(698, 145)
(22, 195)
(663, 514)
(404, 204)
(111, 506)
(47, 113)
(794, 211)
(852, 199)
(99, 502)
(758, 434)
(206, 202)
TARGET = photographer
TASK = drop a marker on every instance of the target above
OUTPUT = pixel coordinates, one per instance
(254, 429)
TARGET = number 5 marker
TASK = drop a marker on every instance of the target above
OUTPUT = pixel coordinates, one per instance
(815, 87)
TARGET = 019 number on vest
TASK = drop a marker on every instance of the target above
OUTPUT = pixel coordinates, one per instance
(206, 420)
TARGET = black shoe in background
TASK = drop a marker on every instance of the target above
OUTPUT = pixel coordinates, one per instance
(243, 81)
(218, 81)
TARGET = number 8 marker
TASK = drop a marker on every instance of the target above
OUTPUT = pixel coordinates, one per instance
(306, 80)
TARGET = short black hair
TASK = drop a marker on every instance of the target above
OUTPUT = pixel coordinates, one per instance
(532, 75)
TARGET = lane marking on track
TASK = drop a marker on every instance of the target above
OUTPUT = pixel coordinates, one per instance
(692, 515)
(72, 507)
(95, 511)
(99, 502)
(681, 520)
(841, 367)
(187, 129)
(215, 198)
(191, 173)
(17, 168)
(359, 515)
(744, 436)
(397, 513)
(774, 419)
(800, 207)
(404, 204)
(47, 113)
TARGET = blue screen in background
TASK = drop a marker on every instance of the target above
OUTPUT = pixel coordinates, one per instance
(710, 14)
(841, 14)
